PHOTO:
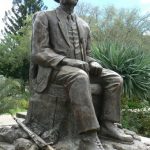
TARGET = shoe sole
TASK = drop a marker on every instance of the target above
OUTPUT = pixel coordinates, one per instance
(115, 140)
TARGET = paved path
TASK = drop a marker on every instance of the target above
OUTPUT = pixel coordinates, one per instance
(6, 120)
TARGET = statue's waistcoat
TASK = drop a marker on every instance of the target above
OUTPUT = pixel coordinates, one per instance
(75, 48)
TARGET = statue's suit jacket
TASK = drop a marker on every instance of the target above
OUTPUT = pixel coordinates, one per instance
(50, 45)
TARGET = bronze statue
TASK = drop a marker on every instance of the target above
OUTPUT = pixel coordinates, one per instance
(61, 55)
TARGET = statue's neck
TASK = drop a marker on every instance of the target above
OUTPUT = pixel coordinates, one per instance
(67, 8)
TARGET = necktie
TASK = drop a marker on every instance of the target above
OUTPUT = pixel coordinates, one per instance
(70, 21)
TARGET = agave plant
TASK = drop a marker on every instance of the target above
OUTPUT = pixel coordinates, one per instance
(132, 64)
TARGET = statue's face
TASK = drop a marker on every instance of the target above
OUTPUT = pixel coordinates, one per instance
(69, 2)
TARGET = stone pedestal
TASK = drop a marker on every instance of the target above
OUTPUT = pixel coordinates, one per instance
(24, 144)
(50, 116)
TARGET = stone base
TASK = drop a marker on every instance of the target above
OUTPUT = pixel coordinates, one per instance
(19, 144)
(6, 146)
(24, 144)
(70, 144)
(50, 116)
(138, 145)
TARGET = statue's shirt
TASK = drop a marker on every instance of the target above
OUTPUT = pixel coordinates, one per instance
(73, 33)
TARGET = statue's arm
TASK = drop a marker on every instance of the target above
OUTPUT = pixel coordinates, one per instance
(42, 54)
(95, 67)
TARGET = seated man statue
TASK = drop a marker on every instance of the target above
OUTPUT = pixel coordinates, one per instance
(61, 44)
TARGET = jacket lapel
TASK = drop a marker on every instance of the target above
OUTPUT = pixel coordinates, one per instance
(81, 33)
(80, 29)
(81, 37)
(63, 27)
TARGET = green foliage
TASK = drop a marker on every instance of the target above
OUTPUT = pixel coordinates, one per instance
(137, 121)
(120, 43)
(125, 26)
(90, 14)
(134, 103)
(21, 9)
(14, 53)
(130, 63)
(11, 96)
(122, 25)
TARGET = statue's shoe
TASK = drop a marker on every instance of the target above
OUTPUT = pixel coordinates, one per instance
(115, 134)
(90, 142)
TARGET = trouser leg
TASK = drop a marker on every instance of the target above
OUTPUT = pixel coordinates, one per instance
(111, 83)
(76, 82)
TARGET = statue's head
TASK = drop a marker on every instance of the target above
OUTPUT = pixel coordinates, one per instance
(57, 1)
(67, 2)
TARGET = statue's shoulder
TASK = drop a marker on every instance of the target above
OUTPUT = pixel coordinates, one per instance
(43, 14)
(82, 22)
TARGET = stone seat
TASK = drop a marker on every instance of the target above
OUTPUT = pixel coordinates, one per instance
(50, 113)
(59, 90)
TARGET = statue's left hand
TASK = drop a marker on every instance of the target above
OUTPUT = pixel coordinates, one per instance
(95, 68)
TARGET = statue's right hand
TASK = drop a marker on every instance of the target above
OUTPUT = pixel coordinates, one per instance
(76, 63)
(82, 65)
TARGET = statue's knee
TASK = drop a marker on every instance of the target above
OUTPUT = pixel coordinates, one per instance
(80, 81)
(119, 80)
(82, 75)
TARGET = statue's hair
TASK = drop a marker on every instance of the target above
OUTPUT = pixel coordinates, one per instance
(56, 1)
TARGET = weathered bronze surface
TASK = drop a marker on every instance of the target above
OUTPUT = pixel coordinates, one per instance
(61, 72)
(74, 100)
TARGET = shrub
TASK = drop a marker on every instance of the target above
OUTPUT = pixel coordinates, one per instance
(138, 121)
(131, 63)
(134, 103)
(12, 97)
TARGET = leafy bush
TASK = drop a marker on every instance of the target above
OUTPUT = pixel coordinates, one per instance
(131, 63)
(12, 97)
(137, 121)
(14, 53)
(134, 103)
